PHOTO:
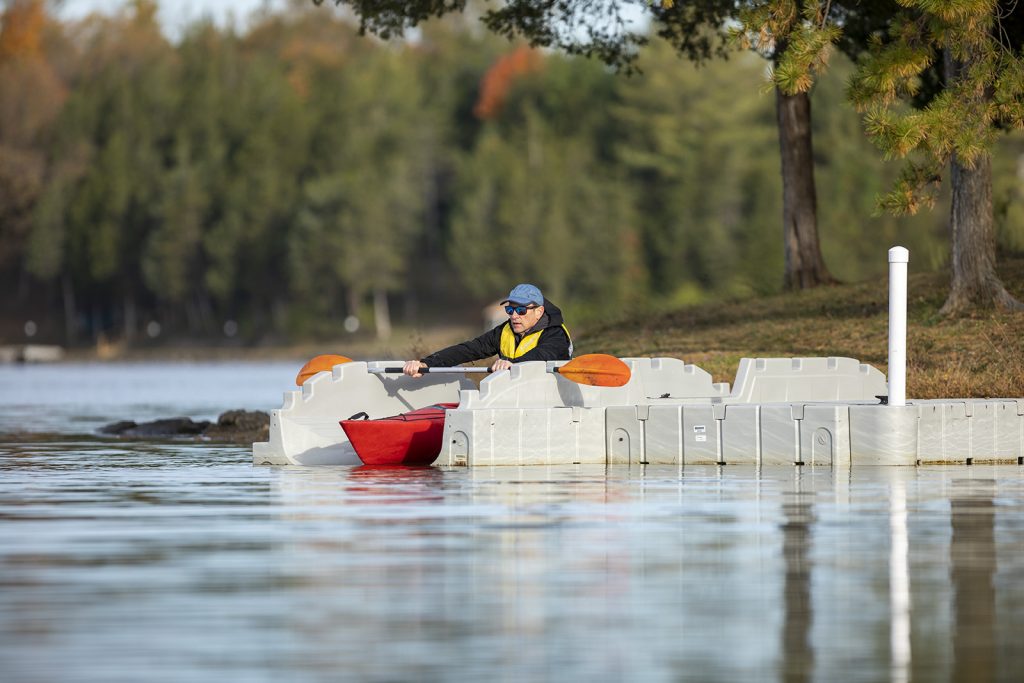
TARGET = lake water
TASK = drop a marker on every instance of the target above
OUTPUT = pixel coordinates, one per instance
(178, 561)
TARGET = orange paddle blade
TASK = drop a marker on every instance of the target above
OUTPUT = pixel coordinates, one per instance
(596, 369)
(319, 364)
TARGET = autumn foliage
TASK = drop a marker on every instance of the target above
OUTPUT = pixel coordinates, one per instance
(31, 96)
(21, 29)
(499, 79)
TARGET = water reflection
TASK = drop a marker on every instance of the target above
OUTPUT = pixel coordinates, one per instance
(373, 484)
(972, 556)
(899, 583)
(798, 521)
(119, 557)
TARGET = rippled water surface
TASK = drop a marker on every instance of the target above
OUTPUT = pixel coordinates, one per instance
(130, 560)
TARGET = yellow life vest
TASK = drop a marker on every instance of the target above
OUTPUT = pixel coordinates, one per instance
(510, 350)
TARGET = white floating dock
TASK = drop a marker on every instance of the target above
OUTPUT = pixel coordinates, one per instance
(802, 411)
(783, 411)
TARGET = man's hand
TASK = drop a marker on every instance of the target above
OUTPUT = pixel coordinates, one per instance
(412, 368)
(501, 364)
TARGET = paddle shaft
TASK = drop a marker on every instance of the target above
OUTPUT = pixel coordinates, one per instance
(396, 371)
(595, 369)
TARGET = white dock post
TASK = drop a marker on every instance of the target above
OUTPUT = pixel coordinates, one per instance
(898, 259)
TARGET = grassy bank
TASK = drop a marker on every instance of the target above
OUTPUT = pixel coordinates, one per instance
(978, 356)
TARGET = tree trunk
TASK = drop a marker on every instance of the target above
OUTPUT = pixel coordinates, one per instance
(130, 319)
(805, 267)
(381, 314)
(70, 313)
(973, 242)
(972, 239)
(279, 314)
(353, 301)
(192, 317)
(207, 318)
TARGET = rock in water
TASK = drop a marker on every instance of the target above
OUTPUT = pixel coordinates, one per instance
(174, 426)
(240, 426)
(237, 426)
(118, 428)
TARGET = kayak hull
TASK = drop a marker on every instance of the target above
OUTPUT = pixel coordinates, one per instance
(409, 439)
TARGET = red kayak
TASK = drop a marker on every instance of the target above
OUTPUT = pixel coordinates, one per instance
(412, 438)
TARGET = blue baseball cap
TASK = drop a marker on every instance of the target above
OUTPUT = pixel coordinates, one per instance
(525, 294)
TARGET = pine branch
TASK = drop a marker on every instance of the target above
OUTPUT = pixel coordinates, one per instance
(917, 188)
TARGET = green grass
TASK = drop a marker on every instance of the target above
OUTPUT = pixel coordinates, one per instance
(981, 355)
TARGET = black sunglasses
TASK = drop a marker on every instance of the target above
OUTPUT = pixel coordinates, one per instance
(519, 310)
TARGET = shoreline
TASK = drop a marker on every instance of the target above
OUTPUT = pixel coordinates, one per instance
(401, 346)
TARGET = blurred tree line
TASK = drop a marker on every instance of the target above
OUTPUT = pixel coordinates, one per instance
(271, 182)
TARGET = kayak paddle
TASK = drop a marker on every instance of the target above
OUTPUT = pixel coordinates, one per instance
(594, 369)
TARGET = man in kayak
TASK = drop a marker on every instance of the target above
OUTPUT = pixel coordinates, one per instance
(534, 331)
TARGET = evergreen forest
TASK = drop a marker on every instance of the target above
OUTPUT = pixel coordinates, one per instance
(293, 180)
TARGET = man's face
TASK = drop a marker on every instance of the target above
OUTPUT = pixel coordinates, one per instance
(521, 319)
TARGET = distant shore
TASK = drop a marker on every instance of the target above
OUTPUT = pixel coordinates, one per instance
(981, 355)
(402, 345)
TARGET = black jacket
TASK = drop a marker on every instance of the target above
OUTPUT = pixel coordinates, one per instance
(554, 343)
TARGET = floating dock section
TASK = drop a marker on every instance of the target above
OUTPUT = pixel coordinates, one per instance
(782, 411)
(306, 429)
